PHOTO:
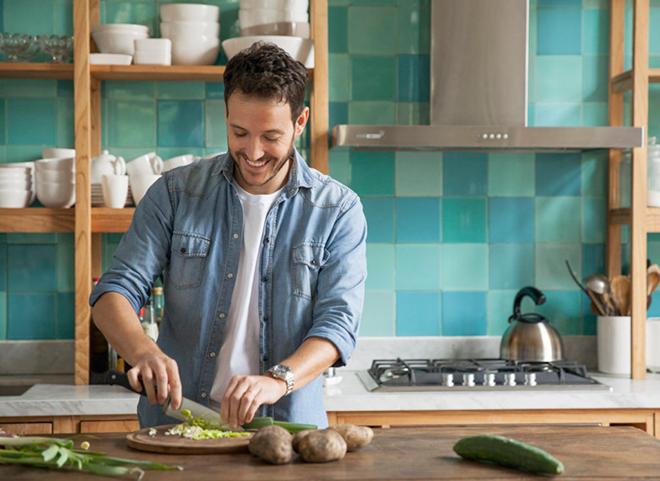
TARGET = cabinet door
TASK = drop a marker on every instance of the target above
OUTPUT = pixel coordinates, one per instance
(119, 426)
(27, 428)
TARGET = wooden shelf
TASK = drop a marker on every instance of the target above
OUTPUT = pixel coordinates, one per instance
(54, 71)
(189, 73)
(111, 220)
(37, 219)
(622, 217)
(623, 82)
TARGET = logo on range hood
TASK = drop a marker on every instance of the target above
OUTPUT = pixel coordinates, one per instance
(479, 52)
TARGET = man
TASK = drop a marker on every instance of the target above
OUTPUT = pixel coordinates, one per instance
(263, 258)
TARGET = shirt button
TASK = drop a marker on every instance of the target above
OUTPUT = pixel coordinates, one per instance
(267, 240)
(203, 394)
(183, 250)
(222, 315)
(265, 318)
(235, 236)
(230, 275)
(265, 358)
(292, 191)
(265, 279)
(313, 263)
(212, 354)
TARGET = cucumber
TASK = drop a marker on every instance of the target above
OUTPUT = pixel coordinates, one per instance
(508, 452)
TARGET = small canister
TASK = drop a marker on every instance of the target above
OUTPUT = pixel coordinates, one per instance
(653, 171)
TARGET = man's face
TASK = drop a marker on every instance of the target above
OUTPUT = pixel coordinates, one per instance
(260, 135)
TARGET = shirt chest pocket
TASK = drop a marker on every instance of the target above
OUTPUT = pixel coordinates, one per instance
(189, 252)
(307, 261)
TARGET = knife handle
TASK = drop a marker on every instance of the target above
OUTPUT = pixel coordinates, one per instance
(113, 376)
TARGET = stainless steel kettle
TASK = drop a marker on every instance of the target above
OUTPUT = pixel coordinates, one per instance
(530, 337)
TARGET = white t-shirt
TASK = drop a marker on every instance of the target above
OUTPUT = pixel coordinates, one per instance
(239, 354)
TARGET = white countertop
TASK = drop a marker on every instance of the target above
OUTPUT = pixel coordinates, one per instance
(350, 395)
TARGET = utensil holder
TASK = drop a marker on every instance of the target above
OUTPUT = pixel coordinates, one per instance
(613, 340)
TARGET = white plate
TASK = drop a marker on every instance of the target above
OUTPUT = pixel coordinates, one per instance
(110, 59)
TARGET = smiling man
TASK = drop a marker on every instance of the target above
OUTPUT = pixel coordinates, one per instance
(263, 260)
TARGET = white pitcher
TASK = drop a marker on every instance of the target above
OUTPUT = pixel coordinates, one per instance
(106, 164)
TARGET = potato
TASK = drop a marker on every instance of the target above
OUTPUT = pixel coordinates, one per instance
(356, 437)
(272, 444)
(299, 437)
(322, 446)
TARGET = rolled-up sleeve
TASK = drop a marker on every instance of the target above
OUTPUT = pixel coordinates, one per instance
(340, 288)
(143, 251)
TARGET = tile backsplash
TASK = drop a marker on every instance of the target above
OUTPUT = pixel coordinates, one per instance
(452, 236)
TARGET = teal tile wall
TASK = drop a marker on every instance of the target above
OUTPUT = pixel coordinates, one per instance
(452, 237)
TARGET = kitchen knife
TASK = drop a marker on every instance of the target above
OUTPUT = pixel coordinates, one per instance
(197, 410)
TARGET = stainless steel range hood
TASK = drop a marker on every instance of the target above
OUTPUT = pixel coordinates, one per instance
(479, 90)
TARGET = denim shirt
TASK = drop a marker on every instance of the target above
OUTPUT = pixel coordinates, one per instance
(189, 227)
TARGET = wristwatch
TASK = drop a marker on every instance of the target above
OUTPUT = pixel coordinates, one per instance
(280, 371)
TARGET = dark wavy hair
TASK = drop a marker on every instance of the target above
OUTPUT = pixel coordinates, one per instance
(266, 71)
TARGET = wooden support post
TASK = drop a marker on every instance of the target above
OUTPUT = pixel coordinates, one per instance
(640, 99)
(615, 119)
(82, 89)
(319, 87)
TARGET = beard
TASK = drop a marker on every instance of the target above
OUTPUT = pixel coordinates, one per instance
(279, 164)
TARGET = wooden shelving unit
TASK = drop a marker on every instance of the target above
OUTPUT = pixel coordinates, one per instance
(641, 218)
(88, 223)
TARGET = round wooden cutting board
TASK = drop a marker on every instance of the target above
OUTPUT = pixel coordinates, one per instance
(162, 443)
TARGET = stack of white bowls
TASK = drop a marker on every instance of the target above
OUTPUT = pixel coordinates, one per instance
(118, 37)
(55, 182)
(282, 22)
(194, 31)
(17, 184)
(153, 51)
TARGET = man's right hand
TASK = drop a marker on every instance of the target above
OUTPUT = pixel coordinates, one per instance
(155, 366)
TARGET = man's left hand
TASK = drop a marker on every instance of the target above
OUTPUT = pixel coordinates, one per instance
(245, 394)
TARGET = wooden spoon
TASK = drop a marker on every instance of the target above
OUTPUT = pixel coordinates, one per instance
(653, 278)
(620, 286)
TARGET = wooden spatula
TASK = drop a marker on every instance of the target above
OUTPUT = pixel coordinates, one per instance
(620, 287)
(653, 278)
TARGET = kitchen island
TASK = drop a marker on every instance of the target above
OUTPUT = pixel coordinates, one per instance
(406, 453)
(56, 408)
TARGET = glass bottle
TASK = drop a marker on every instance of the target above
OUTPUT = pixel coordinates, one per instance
(158, 304)
(149, 320)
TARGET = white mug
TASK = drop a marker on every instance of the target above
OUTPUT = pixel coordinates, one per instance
(147, 164)
(178, 161)
(101, 167)
(115, 190)
(140, 183)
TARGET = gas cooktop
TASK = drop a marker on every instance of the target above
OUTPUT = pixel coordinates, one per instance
(476, 375)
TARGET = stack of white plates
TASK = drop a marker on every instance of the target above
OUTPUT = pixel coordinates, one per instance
(17, 184)
(55, 182)
(97, 196)
(274, 17)
(194, 31)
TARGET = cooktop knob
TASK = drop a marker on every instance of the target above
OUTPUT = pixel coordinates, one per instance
(530, 379)
(468, 379)
(489, 379)
(447, 379)
(510, 379)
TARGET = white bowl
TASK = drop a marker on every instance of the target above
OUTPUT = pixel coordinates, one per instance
(109, 59)
(152, 58)
(301, 49)
(259, 16)
(189, 11)
(66, 164)
(289, 29)
(168, 29)
(57, 153)
(121, 27)
(15, 184)
(300, 5)
(55, 176)
(15, 198)
(117, 42)
(18, 165)
(194, 50)
(140, 183)
(22, 172)
(156, 45)
(56, 194)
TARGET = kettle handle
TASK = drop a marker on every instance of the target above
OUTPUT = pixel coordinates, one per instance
(537, 296)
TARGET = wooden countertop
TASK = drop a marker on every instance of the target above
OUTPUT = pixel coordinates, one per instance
(407, 453)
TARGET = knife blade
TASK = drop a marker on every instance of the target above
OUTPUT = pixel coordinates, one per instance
(211, 417)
